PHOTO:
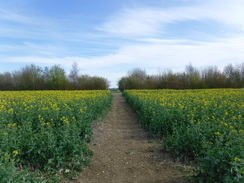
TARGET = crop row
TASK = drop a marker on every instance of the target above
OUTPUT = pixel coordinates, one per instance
(47, 131)
(205, 126)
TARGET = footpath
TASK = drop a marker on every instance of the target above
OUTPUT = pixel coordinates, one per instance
(124, 154)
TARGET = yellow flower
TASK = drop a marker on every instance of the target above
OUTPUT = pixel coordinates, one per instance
(15, 152)
(225, 124)
(5, 133)
(10, 111)
(237, 159)
(217, 133)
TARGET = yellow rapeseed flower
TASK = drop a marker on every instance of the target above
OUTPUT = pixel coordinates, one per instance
(15, 152)
(217, 133)
(237, 159)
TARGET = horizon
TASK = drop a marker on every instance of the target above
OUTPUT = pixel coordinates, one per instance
(111, 37)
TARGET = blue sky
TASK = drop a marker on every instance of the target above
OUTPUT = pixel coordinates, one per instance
(110, 37)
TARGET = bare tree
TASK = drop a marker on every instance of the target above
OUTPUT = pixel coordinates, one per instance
(213, 78)
(6, 81)
(74, 76)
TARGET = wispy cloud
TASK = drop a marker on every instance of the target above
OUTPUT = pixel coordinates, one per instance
(153, 21)
(9, 15)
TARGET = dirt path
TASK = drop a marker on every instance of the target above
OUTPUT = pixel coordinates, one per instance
(124, 154)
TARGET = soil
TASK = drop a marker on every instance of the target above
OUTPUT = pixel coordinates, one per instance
(124, 154)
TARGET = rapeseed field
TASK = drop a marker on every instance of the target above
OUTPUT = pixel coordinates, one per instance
(47, 131)
(205, 126)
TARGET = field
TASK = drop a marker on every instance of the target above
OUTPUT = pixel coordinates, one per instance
(205, 126)
(47, 131)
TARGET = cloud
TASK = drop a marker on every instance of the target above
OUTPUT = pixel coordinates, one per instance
(153, 21)
(28, 24)
(8, 15)
(132, 22)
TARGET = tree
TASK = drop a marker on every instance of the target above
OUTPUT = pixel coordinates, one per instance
(163, 78)
(74, 76)
(241, 67)
(86, 82)
(193, 77)
(16, 76)
(122, 84)
(136, 79)
(99, 83)
(6, 81)
(56, 78)
(150, 82)
(31, 77)
(213, 78)
(233, 75)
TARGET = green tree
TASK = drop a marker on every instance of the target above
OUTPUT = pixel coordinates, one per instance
(86, 82)
(136, 79)
(56, 78)
(122, 84)
(31, 77)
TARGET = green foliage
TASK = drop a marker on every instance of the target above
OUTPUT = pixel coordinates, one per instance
(10, 174)
(223, 161)
(56, 78)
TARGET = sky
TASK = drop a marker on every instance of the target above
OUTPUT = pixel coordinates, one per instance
(108, 38)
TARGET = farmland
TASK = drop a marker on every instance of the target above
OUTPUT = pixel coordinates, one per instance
(47, 130)
(205, 126)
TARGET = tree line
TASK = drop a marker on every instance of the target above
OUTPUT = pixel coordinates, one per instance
(232, 76)
(32, 77)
